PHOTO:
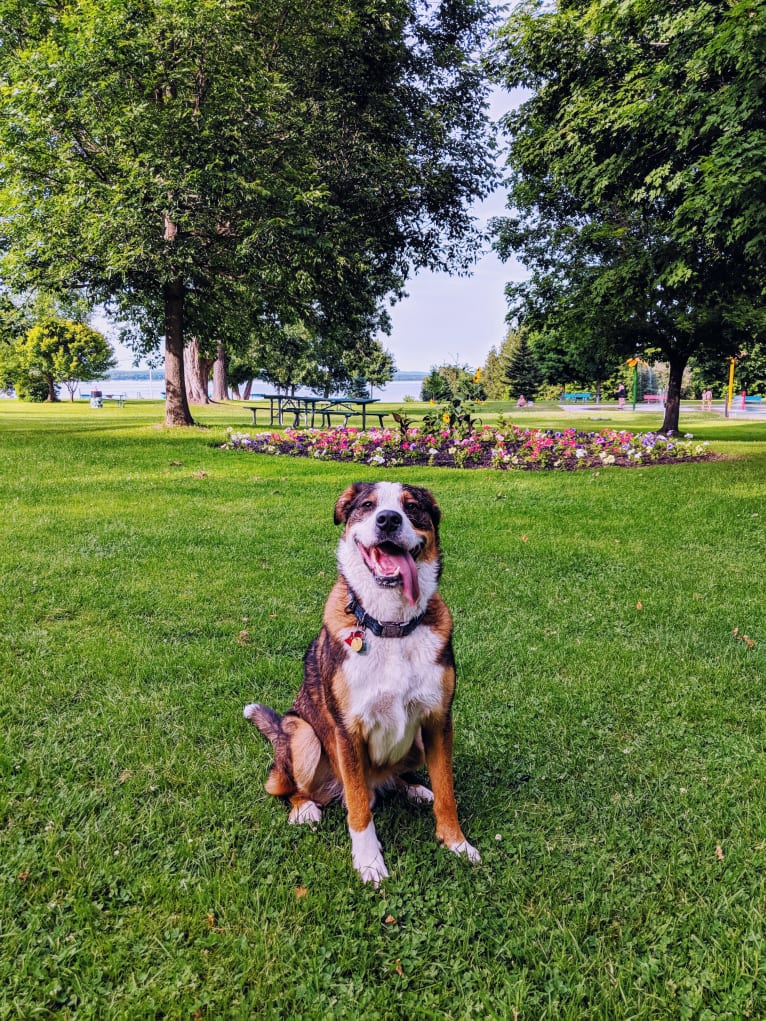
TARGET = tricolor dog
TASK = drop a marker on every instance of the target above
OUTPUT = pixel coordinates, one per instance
(379, 679)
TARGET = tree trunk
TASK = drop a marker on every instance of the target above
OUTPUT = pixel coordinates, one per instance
(673, 400)
(52, 395)
(247, 391)
(176, 405)
(196, 373)
(219, 374)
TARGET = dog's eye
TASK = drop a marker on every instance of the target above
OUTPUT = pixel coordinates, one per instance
(367, 505)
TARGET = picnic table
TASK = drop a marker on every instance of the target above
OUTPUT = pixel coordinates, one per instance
(347, 407)
(311, 408)
(282, 404)
(97, 398)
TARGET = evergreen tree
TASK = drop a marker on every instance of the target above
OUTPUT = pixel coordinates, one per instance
(519, 367)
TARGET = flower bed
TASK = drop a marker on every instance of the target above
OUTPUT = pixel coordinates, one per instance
(504, 447)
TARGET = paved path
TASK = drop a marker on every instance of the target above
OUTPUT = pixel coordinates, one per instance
(753, 412)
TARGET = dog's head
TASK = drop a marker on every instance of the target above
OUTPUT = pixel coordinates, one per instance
(390, 542)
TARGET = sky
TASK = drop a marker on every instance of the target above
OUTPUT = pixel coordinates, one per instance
(444, 318)
(454, 319)
(457, 319)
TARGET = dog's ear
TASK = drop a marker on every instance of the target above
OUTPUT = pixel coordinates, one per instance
(427, 500)
(346, 499)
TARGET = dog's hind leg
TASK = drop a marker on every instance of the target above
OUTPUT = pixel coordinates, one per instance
(301, 770)
(308, 767)
(304, 811)
(418, 793)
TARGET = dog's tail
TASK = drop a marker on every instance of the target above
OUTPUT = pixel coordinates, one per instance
(280, 781)
(265, 719)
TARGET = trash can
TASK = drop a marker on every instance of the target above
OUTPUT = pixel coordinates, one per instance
(96, 399)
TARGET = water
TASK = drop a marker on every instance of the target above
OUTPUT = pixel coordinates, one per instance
(393, 392)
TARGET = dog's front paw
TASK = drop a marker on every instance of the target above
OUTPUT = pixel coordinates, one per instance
(367, 856)
(463, 847)
(374, 873)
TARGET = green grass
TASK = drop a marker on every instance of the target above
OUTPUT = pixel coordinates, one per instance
(610, 759)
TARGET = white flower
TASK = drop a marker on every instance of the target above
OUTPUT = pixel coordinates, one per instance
(377, 459)
(579, 452)
(432, 450)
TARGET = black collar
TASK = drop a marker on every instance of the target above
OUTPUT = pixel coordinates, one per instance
(386, 628)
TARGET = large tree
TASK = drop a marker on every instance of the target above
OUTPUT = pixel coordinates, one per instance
(610, 157)
(176, 158)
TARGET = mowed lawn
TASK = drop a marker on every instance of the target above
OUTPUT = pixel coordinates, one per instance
(609, 757)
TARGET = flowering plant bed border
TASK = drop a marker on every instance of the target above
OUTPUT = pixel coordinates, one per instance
(502, 447)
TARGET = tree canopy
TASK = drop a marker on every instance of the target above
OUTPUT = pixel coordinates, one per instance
(642, 115)
(55, 351)
(176, 160)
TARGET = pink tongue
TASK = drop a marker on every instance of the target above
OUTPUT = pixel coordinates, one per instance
(402, 561)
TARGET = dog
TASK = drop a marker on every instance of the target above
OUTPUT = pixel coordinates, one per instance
(379, 679)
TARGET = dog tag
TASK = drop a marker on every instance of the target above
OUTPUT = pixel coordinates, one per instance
(356, 641)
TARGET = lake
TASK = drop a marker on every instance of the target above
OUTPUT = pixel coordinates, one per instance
(392, 392)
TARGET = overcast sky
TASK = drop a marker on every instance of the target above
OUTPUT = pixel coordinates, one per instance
(444, 318)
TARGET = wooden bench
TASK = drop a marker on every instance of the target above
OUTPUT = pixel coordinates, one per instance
(255, 410)
(653, 398)
(753, 400)
(575, 397)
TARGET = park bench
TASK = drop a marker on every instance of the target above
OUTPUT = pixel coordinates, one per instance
(653, 398)
(575, 397)
(753, 400)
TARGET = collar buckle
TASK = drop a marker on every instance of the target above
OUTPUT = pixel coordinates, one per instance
(392, 628)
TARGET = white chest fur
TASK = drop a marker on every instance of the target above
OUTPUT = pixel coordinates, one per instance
(393, 685)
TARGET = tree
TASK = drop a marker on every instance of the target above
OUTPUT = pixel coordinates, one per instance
(750, 373)
(450, 381)
(369, 365)
(492, 377)
(14, 322)
(519, 365)
(62, 351)
(606, 162)
(177, 160)
(579, 358)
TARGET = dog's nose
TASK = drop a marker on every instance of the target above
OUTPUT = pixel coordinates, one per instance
(388, 521)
